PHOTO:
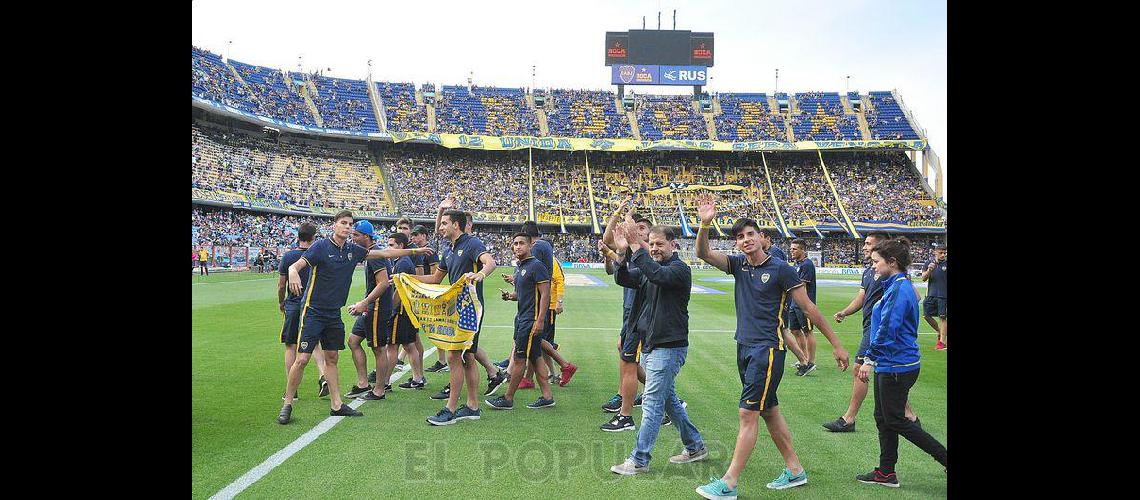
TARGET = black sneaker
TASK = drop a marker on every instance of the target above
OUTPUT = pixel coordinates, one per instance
(619, 423)
(358, 391)
(412, 384)
(298, 396)
(444, 417)
(443, 393)
(494, 383)
(324, 391)
(345, 411)
(541, 403)
(387, 387)
(840, 425)
(613, 405)
(877, 477)
(320, 382)
(637, 402)
(372, 377)
(400, 362)
(803, 370)
(665, 420)
(466, 413)
(286, 415)
(371, 396)
(500, 403)
(436, 367)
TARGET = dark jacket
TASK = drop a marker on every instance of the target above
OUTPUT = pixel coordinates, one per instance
(661, 309)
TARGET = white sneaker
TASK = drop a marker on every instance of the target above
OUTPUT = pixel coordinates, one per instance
(686, 457)
(628, 468)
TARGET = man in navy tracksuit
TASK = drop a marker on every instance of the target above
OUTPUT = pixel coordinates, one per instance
(893, 356)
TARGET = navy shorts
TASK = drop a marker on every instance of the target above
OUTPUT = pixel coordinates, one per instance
(527, 346)
(761, 368)
(290, 326)
(934, 306)
(798, 320)
(402, 331)
(548, 331)
(321, 325)
(630, 347)
(864, 343)
(372, 327)
(786, 315)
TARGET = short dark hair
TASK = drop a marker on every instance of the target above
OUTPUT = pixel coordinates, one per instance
(879, 236)
(742, 223)
(404, 220)
(897, 250)
(458, 217)
(400, 238)
(341, 214)
(799, 241)
(639, 218)
(665, 231)
(523, 234)
(306, 231)
(769, 233)
(531, 228)
(420, 229)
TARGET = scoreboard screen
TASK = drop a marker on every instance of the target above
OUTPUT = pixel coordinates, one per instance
(659, 47)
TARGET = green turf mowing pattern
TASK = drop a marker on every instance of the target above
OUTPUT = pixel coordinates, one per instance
(238, 377)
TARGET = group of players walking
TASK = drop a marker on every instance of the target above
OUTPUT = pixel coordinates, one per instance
(653, 342)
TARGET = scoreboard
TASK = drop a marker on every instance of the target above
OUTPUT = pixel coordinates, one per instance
(659, 47)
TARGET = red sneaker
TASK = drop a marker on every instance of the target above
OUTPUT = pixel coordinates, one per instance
(526, 384)
(939, 346)
(567, 372)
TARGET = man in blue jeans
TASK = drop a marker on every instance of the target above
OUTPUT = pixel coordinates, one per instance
(660, 316)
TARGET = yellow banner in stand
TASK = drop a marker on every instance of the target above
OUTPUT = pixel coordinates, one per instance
(510, 143)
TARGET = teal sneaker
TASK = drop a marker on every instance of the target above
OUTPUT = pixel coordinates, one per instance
(717, 489)
(788, 480)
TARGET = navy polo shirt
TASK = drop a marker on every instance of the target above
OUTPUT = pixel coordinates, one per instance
(806, 272)
(331, 278)
(528, 275)
(401, 265)
(293, 302)
(543, 252)
(761, 292)
(776, 252)
(371, 269)
(463, 258)
(872, 292)
(936, 287)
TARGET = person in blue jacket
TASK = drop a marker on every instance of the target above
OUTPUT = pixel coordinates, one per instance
(893, 356)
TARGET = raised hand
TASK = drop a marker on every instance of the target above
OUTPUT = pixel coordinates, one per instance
(447, 203)
(706, 208)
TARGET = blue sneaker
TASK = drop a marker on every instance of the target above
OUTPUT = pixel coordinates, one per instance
(503, 364)
(465, 413)
(788, 480)
(444, 417)
(717, 489)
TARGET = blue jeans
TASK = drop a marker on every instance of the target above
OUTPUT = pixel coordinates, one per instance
(661, 369)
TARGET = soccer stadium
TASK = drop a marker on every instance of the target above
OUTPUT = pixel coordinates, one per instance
(681, 221)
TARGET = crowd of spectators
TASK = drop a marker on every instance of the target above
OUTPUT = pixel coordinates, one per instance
(885, 119)
(275, 96)
(669, 117)
(285, 172)
(420, 175)
(881, 187)
(213, 81)
(225, 226)
(586, 113)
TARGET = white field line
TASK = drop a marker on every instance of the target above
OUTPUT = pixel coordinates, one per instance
(256, 473)
(235, 281)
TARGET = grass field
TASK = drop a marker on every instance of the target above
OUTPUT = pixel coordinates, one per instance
(238, 378)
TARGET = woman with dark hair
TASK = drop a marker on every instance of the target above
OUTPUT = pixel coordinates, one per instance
(893, 355)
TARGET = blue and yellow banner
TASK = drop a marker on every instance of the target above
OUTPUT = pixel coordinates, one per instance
(448, 314)
(511, 142)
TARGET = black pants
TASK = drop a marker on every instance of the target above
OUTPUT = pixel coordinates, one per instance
(891, 391)
(203, 269)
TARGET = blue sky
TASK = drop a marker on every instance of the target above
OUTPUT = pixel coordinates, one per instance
(882, 45)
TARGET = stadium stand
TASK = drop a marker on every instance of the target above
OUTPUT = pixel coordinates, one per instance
(669, 117)
(747, 117)
(400, 108)
(821, 118)
(275, 96)
(344, 104)
(587, 113)
(886, 120)
(485, 110)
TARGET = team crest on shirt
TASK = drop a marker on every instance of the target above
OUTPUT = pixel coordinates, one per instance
(764, 277)
(459, 253)
(304, 345)
(523, 272)
(349, 255)
(943, 268)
